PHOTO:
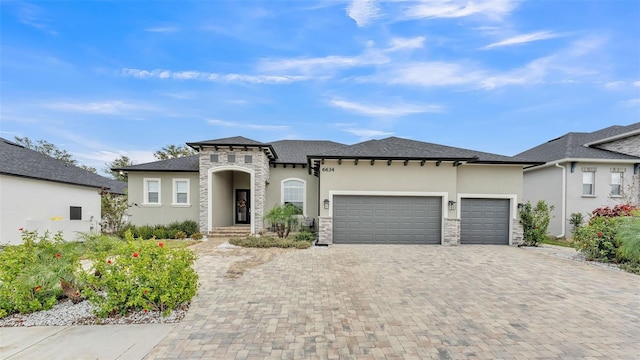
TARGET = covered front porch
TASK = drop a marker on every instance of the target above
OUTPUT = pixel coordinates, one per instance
(231, 197)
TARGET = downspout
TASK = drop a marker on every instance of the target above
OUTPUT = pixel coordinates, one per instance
(564, 199)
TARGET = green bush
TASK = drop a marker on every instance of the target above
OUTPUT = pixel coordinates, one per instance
(180, 235)
(305, 236)
(597, 240)
(31, 274)
(269, 242)
(197, 236)
(159, 233)
(629, 239)
(140, 275)
(145, 232)
(535, 222)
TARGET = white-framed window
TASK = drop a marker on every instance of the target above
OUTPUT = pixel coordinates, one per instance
(616, 184)
(294, 191)
(181, 191)
(588, 183)
(152, 194)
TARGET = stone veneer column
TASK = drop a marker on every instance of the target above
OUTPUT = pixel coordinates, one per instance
(517, 234)
(260, 167)
(451, 231)
(325, 230)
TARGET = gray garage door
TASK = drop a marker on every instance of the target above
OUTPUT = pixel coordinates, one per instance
(484, 221)
(387, 219)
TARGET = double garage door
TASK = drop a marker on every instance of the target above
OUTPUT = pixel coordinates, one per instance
(415, 220)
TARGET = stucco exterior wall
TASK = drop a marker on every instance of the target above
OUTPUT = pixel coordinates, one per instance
(165, 212)
(488, 179)
(546, 184)
(274, 188)
(31, 204)
(221, 183)
(382, 177)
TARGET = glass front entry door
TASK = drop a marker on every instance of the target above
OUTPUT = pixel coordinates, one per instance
(243, 207)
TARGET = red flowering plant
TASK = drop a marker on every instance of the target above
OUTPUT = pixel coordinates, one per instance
(31, 272)
(142, 276)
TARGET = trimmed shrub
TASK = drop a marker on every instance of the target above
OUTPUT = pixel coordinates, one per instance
(145, 232)
(269, 242)
(197, 236)
(305, 236)
(159, 233)
(180, 235)
(597, 240)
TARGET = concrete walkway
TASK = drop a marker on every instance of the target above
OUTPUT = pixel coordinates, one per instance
(81, 342)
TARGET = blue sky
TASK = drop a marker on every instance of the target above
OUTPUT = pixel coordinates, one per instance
(104, 79)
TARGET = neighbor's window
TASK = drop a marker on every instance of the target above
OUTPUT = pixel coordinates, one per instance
(616, 183)
(152, 191)
(75, 213)
(293, 192)
(181, 191)
(588, 182)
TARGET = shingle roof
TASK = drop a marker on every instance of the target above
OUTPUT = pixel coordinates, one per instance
(572, 146)
(236, 140)
(184, 164)
(17, 160)
(296, 151)
(399, 148)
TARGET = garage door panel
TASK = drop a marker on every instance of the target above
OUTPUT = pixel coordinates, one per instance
(387, 219)
(484, 221)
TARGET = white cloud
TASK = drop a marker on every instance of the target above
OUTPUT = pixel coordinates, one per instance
(636, 83)
(367, 133)
(613, 85)
(434, 73)
(632, 103)
(376, 110)
(523, 38)
(363, 12)
(104, 107)
(318, 64)
(249, 126)
(406, 43)
(163, 29)
(492, 9)
(205, 76)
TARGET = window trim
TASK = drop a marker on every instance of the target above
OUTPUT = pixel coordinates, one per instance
(145, 194)
(593, 184)
(174, 192)
(304, 192)
(621, 184)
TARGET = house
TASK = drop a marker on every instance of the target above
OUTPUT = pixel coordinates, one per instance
(584, 171)
(392, 190)
(38, 192)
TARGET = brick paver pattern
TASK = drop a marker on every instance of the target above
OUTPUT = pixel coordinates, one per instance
(409, 302)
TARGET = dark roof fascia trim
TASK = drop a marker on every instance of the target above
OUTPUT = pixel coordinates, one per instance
(531, 163)
(55, 181)
(415, 158)
(143, 170)
(199, 145)
(582, 160)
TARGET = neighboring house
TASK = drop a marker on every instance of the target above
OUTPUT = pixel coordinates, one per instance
(38, 192)
(392, 190)
(584, 171)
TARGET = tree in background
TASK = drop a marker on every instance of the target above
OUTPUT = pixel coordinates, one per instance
(122, 161)
(173, 151)
(114, 212)
(49, 149)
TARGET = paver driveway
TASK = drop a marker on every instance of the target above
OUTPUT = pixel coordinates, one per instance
(402, 302)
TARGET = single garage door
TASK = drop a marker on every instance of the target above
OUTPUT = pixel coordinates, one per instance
(387, 219)
(484, 221)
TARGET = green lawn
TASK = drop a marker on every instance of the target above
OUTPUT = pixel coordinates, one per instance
(558, 242)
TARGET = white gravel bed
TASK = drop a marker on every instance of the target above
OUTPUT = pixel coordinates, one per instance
(227, 245)
(570, 254)
(67, 313)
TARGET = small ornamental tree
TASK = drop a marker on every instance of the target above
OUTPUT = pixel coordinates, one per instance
(282, 218)
(114, 211)
(535, 222)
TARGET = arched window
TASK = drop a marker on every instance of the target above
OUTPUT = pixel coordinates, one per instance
(294, 192)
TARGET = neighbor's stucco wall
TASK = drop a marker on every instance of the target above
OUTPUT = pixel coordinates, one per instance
(166, 212)
(274, 188)
(31, 204)
(546, 184)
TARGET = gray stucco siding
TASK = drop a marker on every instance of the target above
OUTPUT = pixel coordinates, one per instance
(274, 187)
(167, 211)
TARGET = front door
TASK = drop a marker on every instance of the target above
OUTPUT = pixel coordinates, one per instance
(243, 207)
